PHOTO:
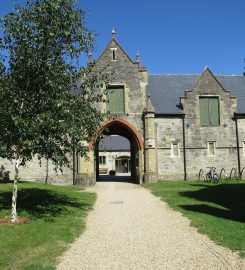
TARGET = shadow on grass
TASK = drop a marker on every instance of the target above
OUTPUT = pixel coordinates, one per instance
(228, 196)
(40, 203)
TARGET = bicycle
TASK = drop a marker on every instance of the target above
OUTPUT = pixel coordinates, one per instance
(212, 175)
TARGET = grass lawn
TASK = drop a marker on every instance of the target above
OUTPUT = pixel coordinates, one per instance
(56, 218)
(217, 210)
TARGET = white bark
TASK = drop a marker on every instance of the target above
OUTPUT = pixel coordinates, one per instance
(14, 216)
(47, 168)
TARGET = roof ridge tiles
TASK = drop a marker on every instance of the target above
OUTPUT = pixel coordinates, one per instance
(235, 75)
(169, 74)
(192, 74)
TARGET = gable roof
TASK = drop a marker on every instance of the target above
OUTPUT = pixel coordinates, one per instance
(113, 40)
(114, 143)
(165, 90)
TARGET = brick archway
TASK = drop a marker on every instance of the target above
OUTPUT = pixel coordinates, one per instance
(125, 124)
(121, 127)
(121, 122)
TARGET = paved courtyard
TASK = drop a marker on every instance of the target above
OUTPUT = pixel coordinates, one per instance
(130, 228)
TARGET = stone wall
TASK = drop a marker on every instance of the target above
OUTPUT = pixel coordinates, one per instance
(36, 172)
(241, 128)
(169, 132)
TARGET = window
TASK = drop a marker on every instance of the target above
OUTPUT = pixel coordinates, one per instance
(123, 164)
(102, 160)
(211, 148)
(209, 111)
(115, 100)
(113, 53)
(174, 149)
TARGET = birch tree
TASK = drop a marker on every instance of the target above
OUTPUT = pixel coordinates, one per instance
(45, 112)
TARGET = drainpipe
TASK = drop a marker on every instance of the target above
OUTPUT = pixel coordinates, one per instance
(184, 152)
(237, 147)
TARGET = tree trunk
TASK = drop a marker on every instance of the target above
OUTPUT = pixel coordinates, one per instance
(14, 216)
(46, 179)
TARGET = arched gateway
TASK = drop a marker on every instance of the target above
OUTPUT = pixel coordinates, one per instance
(123, 128)
(88, 170)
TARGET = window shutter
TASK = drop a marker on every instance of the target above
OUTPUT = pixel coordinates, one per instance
(203, 104)
(120, 100)
(110, 97)
(214, 111)
(115, 100)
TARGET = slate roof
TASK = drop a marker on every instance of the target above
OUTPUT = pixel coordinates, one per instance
(165, 90)
(114, 143)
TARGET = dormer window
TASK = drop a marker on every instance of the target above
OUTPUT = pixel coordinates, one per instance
(113, 54)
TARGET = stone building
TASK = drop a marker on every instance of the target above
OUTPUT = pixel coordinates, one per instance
(176, 124)
(114, 155)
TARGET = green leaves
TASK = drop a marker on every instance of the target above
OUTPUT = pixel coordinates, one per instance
(44, 110)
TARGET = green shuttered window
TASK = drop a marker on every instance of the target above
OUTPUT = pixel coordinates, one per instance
(115, 100)
(209, 111)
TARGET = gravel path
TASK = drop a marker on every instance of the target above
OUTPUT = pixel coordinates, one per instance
(132, 229)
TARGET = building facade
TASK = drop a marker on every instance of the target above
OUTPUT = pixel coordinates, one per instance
(175, 124)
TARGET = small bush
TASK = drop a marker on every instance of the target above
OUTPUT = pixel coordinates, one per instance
(112, 172)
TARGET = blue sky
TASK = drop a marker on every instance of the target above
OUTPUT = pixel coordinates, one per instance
(174, 36)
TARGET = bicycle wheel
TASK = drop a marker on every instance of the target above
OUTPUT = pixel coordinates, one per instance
(216, 178)
(208, 177)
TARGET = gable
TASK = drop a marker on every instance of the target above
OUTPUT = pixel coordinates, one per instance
(207, 83)
(120, 54)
